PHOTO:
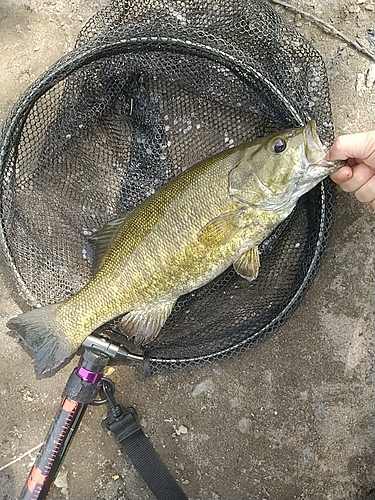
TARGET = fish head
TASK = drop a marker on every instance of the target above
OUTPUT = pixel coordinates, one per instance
(274, 172)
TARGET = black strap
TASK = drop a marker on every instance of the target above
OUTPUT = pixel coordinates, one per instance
(136, 445)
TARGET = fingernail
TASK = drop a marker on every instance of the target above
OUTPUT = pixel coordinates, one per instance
(344, 174)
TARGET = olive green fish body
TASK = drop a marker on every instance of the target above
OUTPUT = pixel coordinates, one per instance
(160, 252)
(192, 229)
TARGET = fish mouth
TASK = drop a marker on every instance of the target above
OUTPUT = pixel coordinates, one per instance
(313, 146)
(312, 136)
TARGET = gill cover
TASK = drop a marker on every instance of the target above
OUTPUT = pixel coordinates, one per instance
(265, 169)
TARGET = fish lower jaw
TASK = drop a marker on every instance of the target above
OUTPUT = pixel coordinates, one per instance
(330, 166)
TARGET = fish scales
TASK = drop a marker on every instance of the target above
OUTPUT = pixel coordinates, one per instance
(158, 245)
(205, 219)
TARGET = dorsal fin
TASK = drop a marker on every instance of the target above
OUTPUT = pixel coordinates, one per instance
(103, 239)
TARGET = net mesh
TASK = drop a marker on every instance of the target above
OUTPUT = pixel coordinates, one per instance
(150, 89)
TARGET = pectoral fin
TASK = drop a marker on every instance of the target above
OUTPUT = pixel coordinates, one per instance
(220, 229)
(144, 324)
(247, 265)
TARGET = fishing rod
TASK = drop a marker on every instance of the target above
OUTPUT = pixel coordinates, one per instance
(81, 389)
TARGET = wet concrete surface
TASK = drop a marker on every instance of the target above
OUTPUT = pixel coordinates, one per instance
(291, 419)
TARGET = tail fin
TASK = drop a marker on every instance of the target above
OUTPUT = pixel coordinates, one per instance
(43, 338)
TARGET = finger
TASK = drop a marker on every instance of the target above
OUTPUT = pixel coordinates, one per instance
(352, 162)
(342, 175)
(366, 193)
(361, 174)
(361, 145)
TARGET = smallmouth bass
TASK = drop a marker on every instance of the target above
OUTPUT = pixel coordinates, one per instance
(207, 218)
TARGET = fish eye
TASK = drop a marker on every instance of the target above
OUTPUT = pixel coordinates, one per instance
(279, 145)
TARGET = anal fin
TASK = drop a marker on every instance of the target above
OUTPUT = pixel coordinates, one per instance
(143, 325)
(247, 265)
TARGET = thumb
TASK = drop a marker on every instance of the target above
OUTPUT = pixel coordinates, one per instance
(342, 175)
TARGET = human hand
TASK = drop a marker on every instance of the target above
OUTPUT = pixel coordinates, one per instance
(358, 176)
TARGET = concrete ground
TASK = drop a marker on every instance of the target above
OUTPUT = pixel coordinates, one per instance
(291, 419)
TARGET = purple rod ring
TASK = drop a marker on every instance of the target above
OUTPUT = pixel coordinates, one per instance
(91, 377)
